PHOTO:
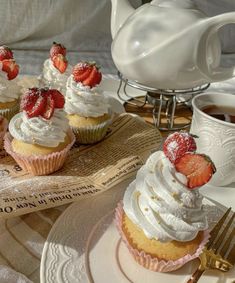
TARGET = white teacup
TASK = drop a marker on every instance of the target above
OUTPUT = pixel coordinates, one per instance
(216, 138)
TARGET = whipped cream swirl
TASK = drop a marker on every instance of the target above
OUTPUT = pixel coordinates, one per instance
(161, 205)
(53, 77)
(38, 130)
(9, 90)
(85, 101)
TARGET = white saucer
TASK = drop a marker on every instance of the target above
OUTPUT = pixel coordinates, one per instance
(224, 195)
(84, 246)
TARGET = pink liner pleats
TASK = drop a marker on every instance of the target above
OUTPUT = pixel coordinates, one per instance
(145, 259)
(39, 165)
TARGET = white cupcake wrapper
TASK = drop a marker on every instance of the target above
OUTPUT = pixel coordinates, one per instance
(8, 113)
(39, 165)
(145, 259)
(91, 134)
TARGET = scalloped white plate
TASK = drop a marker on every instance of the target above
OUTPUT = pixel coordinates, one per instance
(84, 246)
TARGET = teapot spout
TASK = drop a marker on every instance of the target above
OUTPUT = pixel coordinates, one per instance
(121, 10)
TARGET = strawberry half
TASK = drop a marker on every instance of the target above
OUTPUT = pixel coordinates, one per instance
(38, 107)
(49, 107)
(198, 168)
(177, 144)
(41, 102)
(56, 49)
(11, 68)
(94, 78)
(29, 99)
(87, 73)
(60, 63)
(5, 53)
(57, 97)
(81, 71)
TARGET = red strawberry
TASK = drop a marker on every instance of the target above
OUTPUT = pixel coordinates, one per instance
(81, 71)
(5, 53)
(38, 102)
(177, 144)
(198, 168)
(29, 99)
(49, 107)
(11, 68)
(98, 78)
(38, 107)
(87, 73)
(56, 49)
(57, 97)
(60, 62)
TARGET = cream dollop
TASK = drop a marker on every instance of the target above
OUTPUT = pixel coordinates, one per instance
(38, 130)
(9, 90)
(161, 205)
(53, 78)
(85, 101)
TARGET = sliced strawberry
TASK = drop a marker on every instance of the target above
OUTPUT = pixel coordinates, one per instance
(29, 99)
(81, 71)
(5, 53)
(93, 79)
(49, 107)
(87, 73)
(98, 78)
(60, 63)
(177, 144)
(56, 49)
(11, 68)
(57, 97)
(198, 168)
(38, 107)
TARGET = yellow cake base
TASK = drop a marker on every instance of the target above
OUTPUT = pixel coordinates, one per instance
(77, 121)
(27, 149)
(168, 251)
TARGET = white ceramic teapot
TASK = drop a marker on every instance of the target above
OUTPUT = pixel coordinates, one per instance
(168, 44)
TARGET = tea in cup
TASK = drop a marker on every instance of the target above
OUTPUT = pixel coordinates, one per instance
(214, 123)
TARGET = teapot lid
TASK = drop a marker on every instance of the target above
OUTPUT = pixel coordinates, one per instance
(183, 4)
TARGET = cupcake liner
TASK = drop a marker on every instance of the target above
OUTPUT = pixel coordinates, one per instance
(39, 165)
(91, 134)
(8, 113)
(2, 133)
(148, 261)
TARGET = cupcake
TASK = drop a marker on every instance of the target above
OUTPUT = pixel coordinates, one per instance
(3, 129)
(39, 137)
(56, 69)
(87, 108)
(162, 219)
(9, 90)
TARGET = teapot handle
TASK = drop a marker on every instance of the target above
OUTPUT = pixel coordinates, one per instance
(209, 49)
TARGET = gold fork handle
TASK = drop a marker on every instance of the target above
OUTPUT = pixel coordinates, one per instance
(196, 276)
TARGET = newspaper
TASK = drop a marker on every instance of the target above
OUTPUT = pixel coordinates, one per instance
(88, 170)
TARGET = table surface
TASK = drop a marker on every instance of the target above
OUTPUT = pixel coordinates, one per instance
(22, 238)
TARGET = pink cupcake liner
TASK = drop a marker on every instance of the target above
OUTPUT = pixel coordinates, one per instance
(2, 133)
(39, 165)
(145, 259)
